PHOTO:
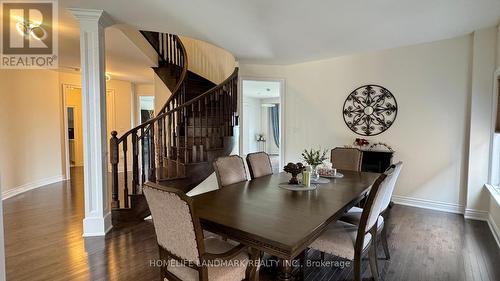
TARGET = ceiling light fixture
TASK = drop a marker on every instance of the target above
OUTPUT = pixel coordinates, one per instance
(26, 28)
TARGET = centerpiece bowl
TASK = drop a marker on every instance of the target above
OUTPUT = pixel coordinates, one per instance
(294, 169)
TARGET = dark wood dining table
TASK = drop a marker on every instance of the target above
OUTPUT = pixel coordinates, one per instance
(280, 222)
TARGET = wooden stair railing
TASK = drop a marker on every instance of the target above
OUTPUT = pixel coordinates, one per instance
(181, 134)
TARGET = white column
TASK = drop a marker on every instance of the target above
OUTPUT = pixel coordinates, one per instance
(97, 219)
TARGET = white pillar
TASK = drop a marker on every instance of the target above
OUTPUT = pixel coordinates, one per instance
(97, 219)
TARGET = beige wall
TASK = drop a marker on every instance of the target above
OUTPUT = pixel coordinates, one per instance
(432, 88)
(207, 60)
(32, 151)
(30, 111)
(161, 93)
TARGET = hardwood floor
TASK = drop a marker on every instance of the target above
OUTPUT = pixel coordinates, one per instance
(43, 242)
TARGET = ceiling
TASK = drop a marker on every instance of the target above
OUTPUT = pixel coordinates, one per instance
(124, 60)
(261, 89)
(285, 31)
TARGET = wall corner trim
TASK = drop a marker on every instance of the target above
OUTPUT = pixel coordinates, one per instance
(30, 186)
(494, 229)
(474, 214)
(429, 204)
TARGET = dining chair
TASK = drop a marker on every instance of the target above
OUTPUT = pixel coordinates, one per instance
(353, 216)
(184, 253)
(352, 242)
(259, 164)
(229, 170)
(344, 158)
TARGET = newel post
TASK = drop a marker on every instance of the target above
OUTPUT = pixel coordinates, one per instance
(113, 158)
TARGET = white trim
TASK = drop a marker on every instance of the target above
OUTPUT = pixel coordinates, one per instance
(282, 111)
(92, 226)
(30, 186)
(474, 214)
(494, 178)
(494, 229)
(429, 204)
(494, 193)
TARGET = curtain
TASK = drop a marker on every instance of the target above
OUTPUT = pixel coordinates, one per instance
(275, 123)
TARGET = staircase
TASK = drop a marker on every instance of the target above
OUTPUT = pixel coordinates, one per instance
(177, 147)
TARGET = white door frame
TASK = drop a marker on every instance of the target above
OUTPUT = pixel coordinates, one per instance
(282, 112)
(65, 136)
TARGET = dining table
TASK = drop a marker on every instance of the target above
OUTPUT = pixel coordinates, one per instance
(280, 222)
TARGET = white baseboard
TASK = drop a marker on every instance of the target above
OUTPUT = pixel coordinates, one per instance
(31, 185)
(473, 214)
(494, 229)
(428, 204)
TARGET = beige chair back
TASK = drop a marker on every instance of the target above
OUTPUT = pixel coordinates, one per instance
(230, 170)
(373, 205)
(259, 165)
(391, 185)
(177, 231)
(346, 158)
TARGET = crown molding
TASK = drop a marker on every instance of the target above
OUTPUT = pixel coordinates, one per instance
(92, 15)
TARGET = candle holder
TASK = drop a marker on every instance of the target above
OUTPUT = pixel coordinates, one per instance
(294, 169)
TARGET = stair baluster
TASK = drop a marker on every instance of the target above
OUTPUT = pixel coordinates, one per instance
(113, 157)
(135, 163)
(157, 144)
(125, 174)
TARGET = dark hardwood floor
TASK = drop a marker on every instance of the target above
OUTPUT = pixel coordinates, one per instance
(43, 239)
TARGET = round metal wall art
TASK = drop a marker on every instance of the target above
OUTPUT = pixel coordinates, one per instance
(370, 110)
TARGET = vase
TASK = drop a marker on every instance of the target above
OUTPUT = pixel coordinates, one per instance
(314, 172)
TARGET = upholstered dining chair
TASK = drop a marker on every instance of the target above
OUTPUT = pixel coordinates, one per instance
(186, 255)
(259, 164)
(229, 170)
(353, 216)
(352, 242)
(344, 158)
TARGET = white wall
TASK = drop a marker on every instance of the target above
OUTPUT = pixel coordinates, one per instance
(481, 116)
(252, 124)
(431, 83)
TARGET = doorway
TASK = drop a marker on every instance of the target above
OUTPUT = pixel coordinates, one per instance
(262, 118)
(73, 123)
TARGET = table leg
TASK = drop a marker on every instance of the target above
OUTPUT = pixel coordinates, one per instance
(253, 269)
(285, 270)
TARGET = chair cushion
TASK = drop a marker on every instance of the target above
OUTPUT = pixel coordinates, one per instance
(229, 271)
(339, 240)
(354, 216)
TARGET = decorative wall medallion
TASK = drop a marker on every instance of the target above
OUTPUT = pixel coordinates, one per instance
(370, 110)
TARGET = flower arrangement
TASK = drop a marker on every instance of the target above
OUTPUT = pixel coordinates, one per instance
(260, 137)
(361, 142)
(314, 157)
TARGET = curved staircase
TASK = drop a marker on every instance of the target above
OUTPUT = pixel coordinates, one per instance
(176, 148)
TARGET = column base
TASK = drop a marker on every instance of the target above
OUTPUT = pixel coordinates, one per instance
(97, 226)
